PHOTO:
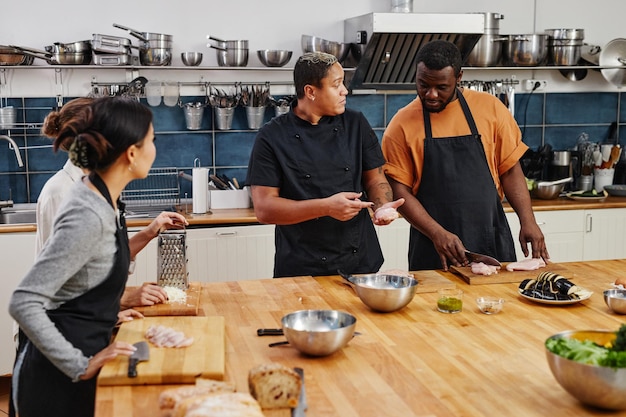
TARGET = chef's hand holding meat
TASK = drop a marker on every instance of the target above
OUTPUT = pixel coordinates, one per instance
(67, 304)
(387, 213)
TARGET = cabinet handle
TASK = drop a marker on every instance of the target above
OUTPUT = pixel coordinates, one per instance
(226, 233)
(589, 223)
(541, 223)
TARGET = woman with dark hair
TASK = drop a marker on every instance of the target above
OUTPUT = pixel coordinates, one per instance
(67, 304)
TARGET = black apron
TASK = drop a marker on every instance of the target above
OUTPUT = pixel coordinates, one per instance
(458, 191)
(87, 322)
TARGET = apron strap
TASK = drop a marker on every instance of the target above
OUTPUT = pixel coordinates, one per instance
(466, 111)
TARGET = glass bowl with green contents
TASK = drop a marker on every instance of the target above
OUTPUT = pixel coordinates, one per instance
(450, 300)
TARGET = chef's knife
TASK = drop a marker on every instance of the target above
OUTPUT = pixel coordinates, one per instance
(141, 354)
(269, 332)
(302, 405)
(478, 257)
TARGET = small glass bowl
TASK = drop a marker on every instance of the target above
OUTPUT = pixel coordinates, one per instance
(490, 305)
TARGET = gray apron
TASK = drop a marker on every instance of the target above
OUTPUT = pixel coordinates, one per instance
(457, 190)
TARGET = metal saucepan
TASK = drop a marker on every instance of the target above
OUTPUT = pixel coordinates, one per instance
(232, 53)
(80, 47)
(318, 332)
(110, 44)
(613, 55)
(57, 58)
(13, 56)
(525, 50)
(155, 49)
(383, 292)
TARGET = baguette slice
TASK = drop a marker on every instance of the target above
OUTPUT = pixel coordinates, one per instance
(274, 385)
(169, 398)
(234, 404)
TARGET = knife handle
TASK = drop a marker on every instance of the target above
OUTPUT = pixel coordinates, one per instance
(132, 367)
(269, 332)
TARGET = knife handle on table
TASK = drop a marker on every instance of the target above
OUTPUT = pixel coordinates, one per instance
(269, 332)
(132, 367)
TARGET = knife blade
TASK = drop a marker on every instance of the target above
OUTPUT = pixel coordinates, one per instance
(478, 257)
(269, 332)
(299, 411)
(141, 354)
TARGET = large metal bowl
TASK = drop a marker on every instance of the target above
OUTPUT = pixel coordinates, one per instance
(547, 191)
(318, 332)
(593, 385)
(274, 57)
(382, 292)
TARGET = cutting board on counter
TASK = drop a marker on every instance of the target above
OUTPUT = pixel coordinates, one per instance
(431, 281)
(504, 276)
(204, 358)
(188, 308)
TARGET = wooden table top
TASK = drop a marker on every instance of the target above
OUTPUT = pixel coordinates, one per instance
(413, 362)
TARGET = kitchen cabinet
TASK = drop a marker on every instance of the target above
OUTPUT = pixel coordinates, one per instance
(17, 253)
(575, 235)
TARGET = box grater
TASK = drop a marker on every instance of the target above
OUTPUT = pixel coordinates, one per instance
(172, 259)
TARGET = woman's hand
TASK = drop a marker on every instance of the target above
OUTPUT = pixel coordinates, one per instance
(128, 315)
(166, 220)
(105, 355)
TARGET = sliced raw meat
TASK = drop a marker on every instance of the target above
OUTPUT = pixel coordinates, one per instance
(480, 268)
(386, 214)
(162, 336)
(529, 264)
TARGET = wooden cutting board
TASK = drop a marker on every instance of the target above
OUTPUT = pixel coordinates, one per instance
(504, 276)
(189, 308)
(431, 281)
(204, 358)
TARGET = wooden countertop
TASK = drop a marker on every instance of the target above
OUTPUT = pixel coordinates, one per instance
(413, 362)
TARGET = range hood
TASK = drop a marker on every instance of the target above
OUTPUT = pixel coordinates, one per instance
(385, 44)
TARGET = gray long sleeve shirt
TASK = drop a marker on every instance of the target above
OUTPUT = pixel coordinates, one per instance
(76, 258)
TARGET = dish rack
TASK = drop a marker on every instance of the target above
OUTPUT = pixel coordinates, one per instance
(172, 259)
(159, 191)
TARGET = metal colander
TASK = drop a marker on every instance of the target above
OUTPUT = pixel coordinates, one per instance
(172, 258)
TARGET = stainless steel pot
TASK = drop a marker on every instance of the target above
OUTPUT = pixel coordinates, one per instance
(111, 59)
(488, 50)
(233, 53)
(80, 47)
(155, 49)
(61, 58)
(110, 44)
(525, 50)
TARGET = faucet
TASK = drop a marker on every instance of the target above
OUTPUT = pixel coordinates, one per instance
(15, 148)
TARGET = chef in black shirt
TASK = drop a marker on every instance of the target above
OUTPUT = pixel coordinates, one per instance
(316, 173)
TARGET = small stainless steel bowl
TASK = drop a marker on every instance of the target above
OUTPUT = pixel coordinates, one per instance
(191, 59)
(615, 299)
(274, 57)
(318, 332)
(547, 192)
(598, 386)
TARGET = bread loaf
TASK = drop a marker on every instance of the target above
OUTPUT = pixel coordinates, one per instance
(169, 398)
(274, 385)
(235, 404)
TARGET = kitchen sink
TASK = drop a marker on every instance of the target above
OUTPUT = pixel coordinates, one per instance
(17, 216)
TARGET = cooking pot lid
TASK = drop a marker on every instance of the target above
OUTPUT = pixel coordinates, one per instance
(614, 55)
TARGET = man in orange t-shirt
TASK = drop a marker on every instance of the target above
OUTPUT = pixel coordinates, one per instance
(453, 154)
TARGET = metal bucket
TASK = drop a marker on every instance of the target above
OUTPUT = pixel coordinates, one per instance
(255, 116)
(8, 116)
(224, 117)
(193, 115)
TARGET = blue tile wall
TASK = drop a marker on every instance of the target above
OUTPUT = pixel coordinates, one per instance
(557, 119)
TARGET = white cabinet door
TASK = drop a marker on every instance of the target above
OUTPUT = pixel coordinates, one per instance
(562, 230)
(145, 263)
(230, 253)
(17, 254)
(605, 234)
(394, 242)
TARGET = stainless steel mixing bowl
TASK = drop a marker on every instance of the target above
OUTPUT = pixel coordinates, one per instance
(318, 332)
(382, 292)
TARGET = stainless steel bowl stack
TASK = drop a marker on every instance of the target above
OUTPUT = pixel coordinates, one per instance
(233, 53)
(317, 44)
(564, 46)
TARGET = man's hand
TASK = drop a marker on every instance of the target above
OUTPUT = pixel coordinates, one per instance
(387, 213)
